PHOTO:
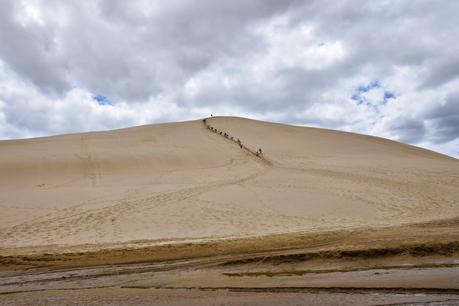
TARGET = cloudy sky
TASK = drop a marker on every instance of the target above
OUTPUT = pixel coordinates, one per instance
(385, 68)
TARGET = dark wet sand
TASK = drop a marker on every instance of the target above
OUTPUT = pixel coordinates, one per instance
(111, 296)
(415, 263)
(383, 280)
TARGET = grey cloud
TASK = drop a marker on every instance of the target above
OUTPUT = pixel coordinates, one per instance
(446, 129)
(445, 119)
(408, 130)
(31, 52)
(115, 49)
(442, 71)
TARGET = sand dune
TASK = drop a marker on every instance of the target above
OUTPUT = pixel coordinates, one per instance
(179, 214)
(180, 181)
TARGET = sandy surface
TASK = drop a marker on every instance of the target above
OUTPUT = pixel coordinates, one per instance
(220, 280)
(177, 213)
(181, 181)
(223, 297)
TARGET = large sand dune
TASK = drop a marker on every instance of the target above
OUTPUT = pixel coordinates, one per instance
(180, 181)
(135, 216)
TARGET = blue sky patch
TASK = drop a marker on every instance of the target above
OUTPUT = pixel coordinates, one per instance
(357, 97)
(388, 95)
(102, 100)
(361, 90)
(370, 86)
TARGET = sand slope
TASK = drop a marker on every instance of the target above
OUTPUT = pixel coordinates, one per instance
(171, 182)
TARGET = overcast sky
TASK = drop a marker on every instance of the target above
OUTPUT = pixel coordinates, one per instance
(385, 68)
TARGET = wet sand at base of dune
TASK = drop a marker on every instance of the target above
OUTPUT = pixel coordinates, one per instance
(394, 265)
(111, 296)
(147, 284)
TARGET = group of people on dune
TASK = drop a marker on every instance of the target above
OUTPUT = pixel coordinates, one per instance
(227, 136)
